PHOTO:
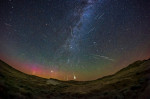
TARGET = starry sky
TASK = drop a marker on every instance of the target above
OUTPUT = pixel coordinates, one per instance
(74, 39)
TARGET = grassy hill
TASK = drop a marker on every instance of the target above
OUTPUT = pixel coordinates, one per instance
(132, 82)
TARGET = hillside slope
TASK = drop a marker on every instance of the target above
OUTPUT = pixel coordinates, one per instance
(130, 82)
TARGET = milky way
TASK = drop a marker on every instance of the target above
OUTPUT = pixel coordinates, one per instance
(73, 39)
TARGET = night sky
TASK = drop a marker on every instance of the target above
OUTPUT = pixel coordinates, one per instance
(74, 39)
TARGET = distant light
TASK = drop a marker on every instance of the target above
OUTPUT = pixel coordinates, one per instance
(74, 77)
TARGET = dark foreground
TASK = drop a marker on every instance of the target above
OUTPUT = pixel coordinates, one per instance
(132, 82)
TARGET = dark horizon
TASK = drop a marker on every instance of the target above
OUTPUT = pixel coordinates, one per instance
(131, 82)
(75, 79)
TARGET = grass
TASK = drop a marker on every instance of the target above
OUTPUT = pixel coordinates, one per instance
(130, 82)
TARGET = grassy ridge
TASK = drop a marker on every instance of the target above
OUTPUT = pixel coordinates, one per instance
(128, 83)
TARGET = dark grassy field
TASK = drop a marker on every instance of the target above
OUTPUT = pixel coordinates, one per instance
(132, 82)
